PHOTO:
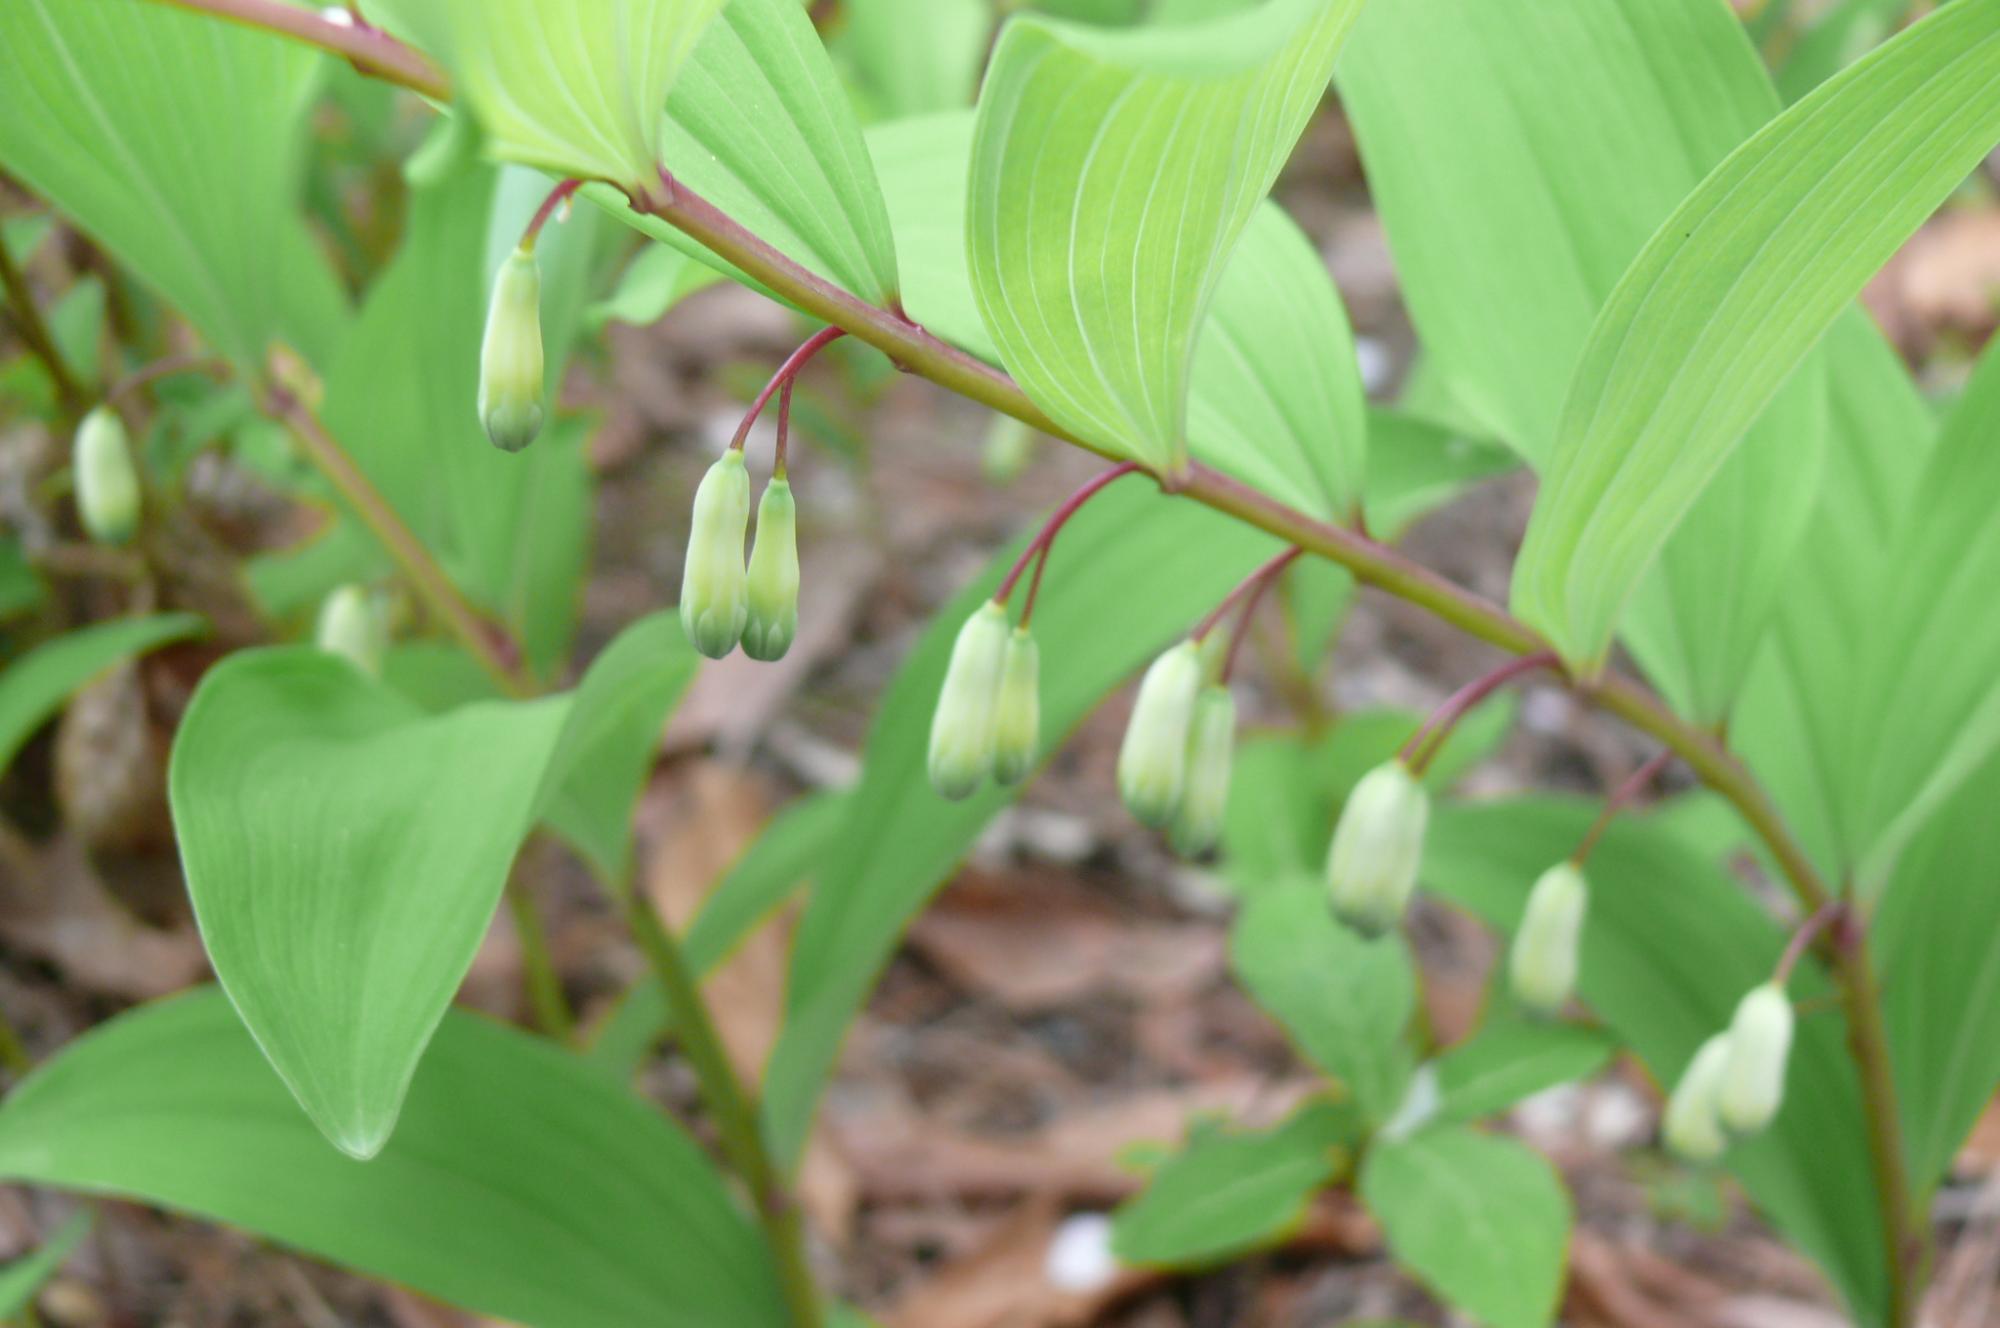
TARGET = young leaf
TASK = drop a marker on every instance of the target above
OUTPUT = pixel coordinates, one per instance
(35, 686)
(521, 1185)
(759, 125)
(1673, 942)
(1729, 296)
(901, 840)
(1512, 1059)
(1483, 1220)
(112, 113)
(23, 1279)
(1572, 129)
(574, 89)
(917, 56)
(1343, 1000)
(1228, 1192)
(344, 854)
(1112, 173)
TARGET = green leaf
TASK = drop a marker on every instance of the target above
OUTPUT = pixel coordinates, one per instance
(1343, 1000)
(1672, 944)
(1282, 413)
(1228, 1192)
(916, 56)
(521, 1185)
(783, 855)
(1483, 1220)
(1730, 295)
(34, 687)
(344, 853)
(901, 840)
(759, 125)
(1417, 465)
(607, 747)
(659, 278)
(22, 1279)
(1795, 721)
(1843, 34)
(1937, 938)
(1112, 173)
(1929, 648)
(1513, 204)
(572, 89)
(1512, 1059)
(174, 140)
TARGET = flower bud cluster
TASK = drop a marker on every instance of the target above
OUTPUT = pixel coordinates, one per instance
(1735, 1084)
(1174, 764)
(724, 601)
(988, 716)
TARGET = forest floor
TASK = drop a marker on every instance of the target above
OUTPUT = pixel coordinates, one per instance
(1066, 998)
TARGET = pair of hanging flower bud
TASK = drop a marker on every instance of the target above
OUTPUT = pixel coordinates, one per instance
(724, 601)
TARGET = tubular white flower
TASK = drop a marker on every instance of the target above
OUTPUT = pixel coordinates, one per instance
(715, 595)
(510, 356)
(1371, 866)
(1017, 737)
(1152, 762)
(774, 575)
(1692, 1126)
(1205, 792)
(351, 625)
(963, 725)
(107, 484)
(1760, 1044)
(1542, 963)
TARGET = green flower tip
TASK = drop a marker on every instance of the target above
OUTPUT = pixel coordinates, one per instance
(715, 594)
(1542, 963)
(1760, 1044)
(352, 625)
(1017, 720)
(510, 357)
(1197, 823)
(1692, 1125)
(964, 727)
(1152, 762)
(1371, 865)
(107, 484)
(774, 575)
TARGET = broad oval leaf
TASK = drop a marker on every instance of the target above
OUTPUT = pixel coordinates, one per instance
(1112, 172)
(1275, 398)
(111, 114)
(1483, 1220)
(1571, 130)
(912, 57)
(1729, 296)
(522, 1185)
(34, 687)
(759, 125)
(344, 853)
(1231, 1191)
(575, 89)
(1511, 1059)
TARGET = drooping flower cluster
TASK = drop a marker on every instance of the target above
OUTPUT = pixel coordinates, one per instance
(1736, 1082)
(988, 717)
(724, 601)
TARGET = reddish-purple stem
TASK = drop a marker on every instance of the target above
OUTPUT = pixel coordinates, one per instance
(1250, 583)
(1266, 578)
(1034, 587)
(783, 378)
(1822, 917)
(557, 197)
(165, 368)
(779, 452)
(1053, 526)
(1422, 746)
(1626, 793)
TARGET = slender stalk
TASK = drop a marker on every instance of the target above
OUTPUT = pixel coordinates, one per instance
(783, 378)
(27, 320)
(166, 367)
(1803, 936)
(781, 446)
(557, 197)
(487, 644)
(1432, 733)
(1622, 797)
(914, 350)
(730, 1104)
(545, 993)
(373, 52)
(1274, 570)
(1045, 538)
(1251, 586)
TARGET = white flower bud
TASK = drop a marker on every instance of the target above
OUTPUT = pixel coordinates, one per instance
(1541, 966)
(510, 357)
(1760, 1043)
(1017, 736)
(774, 575)
(107, 484)
(1692, 1127)
(1152, 763)
(1205, 793)
(963, 725)
(351, 624)
(1371, 866)
(715, 595)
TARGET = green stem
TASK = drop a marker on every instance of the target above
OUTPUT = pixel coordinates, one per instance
(730, 1104)
(27, 320)
(545, 993)
(486, 643)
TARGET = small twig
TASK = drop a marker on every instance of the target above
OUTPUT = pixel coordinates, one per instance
(1635, 784)
(1423, 745)
(1045, 538)
(557, 197)
(794, 362)
(371, 50)
(1823, 917)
